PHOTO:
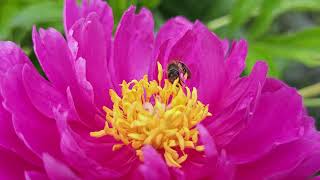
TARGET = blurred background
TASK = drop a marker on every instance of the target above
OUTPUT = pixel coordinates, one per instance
(285, 33)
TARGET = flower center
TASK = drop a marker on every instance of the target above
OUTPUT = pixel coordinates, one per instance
(164, 117)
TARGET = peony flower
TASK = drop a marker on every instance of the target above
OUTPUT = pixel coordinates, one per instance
(143, 106)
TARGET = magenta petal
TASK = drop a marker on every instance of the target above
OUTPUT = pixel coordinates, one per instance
(277, 120)
(207, 141)
(306, 169)
(168, 35)
(34, 175)
(237, 106)
(202, 52)
(38, 132)
(154, 167)
(285, 157)
(211, 164)
(10, 141)
(236, 59)
(225, 46)
(56, 169)
(81, 103)
(217, 165)
(59, 66)
(81, 71)
(41, 93)
(82, 157)
(55, 58)
(11, 166)
(73, 12)
(172, 30)
(11, 55)
(133, 45)
(95, 48)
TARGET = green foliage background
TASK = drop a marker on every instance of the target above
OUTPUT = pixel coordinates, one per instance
(285, 33)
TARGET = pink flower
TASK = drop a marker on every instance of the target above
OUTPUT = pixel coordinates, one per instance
(210, 124)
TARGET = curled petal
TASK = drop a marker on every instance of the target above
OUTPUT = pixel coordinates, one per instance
(284, 158)
(41, 93)
(56, 169)
(202, 52)
(93, 160)
(95, 48)
(235, 60)
(55, 58)
(31, 126)
(35, 175)
(237, 107)
(10, 141)
(11, 55)
(73, 12)
(133, 45)
(11, 166)
(276, 120)
(168, 35)
(154, 166)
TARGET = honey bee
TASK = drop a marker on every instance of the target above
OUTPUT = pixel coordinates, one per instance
(177, 69)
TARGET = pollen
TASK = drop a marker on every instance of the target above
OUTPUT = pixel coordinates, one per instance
(157, 113)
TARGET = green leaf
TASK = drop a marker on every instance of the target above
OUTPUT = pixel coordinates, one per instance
(151, 4)
(38, 13)
(255, 54)
(310, 91)
(192, 9)
(301, 46)
(118, 7)
(7, 11)
(315, 102)
(271, 9)
(241, 11)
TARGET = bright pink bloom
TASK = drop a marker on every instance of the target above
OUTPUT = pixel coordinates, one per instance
(259, 128)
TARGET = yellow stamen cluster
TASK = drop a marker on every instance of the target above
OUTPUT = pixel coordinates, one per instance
(163, 117)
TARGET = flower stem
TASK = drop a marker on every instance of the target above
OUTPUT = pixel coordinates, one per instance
(310, 91)
(219, 22)
(225, 20)
(315, 102)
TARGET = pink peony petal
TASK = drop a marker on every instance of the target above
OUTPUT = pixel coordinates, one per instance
(168, 35)
(133, 45)
(73, 12)
(11, 55)
(237, 106)
(10, 141)
(41, 93)
(36, 131)
(59, 66)
(154, 167)
(81, 71)
(277, 120)
(235, 61)
(92, 160)
(225, 45)
(35, 175)
(310, 165)
(172, 30)
(95, 48)
(56, 169)
(54, 57)
(285, 157)
(11, 166)
(202, 52)
(210, 165)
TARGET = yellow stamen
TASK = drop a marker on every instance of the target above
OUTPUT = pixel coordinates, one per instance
(162, 115)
